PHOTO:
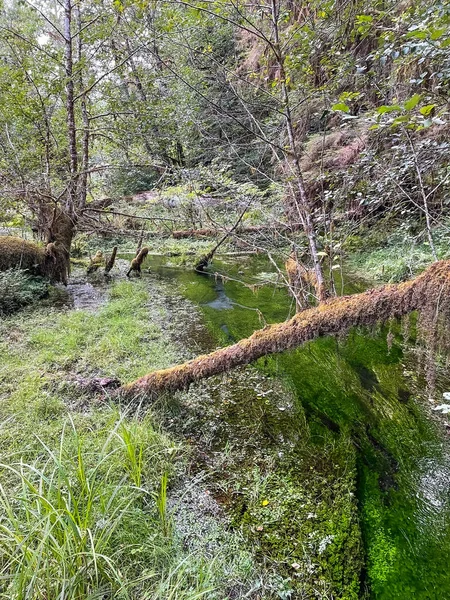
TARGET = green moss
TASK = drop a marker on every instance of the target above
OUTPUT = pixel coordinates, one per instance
(303, 517)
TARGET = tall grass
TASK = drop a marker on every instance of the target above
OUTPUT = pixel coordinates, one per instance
(161, 503)
(57, 528)
(74, 529)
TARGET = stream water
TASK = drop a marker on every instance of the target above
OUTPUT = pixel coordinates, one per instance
(357, 411)
(367, 390)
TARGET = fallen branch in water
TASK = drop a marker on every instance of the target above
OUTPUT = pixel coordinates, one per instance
(207, 258)
(334, 316)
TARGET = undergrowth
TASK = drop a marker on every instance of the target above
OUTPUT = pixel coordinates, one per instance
(19, 289)
(84, 485)
(396, 255)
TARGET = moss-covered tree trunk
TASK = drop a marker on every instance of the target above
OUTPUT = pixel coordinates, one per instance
(51, 260)
(429, 290)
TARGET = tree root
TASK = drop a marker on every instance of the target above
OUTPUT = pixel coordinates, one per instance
(430, 289)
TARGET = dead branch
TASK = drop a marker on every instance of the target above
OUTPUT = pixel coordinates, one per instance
(111, 260)
(205, 260)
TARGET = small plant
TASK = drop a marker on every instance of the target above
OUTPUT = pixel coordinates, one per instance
(134, 452)
(18, 290)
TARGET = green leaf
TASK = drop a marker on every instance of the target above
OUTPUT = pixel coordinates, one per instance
(341, 106)
(426, 110)
(388, 108)
(420, 35)
(437, 33)
(399, 120)
(412, 102)
(364, 19)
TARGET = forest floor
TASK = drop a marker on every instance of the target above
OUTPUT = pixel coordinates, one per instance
(52, 415)
(216, 492)
(207, 501)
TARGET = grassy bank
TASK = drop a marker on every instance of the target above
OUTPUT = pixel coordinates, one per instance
(84, 484)
(393, 252)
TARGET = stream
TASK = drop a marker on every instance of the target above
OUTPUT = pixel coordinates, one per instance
(340, 433)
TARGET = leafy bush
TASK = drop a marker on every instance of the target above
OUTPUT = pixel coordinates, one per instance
(19, 289)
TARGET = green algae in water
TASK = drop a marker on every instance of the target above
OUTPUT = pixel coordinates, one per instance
(355, 395)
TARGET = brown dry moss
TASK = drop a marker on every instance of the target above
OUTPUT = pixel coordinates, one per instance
(334, 150)
(136, 263)
(302, 282)
(335, 316)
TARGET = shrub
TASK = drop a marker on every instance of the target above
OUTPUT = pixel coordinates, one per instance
(17, 289)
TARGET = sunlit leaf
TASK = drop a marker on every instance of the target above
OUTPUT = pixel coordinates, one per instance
(388, 108)
(412, 102)
(341, 106)
(426, 110)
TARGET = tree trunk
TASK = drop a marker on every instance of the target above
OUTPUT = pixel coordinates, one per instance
(299, 194)
(83, 176)
(70, 110)
(428, 290)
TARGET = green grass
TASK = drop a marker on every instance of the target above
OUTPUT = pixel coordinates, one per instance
(396, 256)
(84, 485)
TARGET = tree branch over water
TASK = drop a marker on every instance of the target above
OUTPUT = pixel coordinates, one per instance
(335, 316)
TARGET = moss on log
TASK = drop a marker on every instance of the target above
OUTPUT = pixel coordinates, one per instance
(428, 290)
(45, 261)
(52, 260)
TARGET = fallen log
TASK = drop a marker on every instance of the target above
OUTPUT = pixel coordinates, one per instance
(210, 232)
(49, 261)
(427, 291)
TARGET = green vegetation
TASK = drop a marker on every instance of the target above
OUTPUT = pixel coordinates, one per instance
(314, 134)
(83, 499)
(393, 256)
(18, 289)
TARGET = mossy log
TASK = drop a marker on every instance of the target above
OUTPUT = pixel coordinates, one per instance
(45, 261)
(334, 316)
(210, 232)
(52, 260)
